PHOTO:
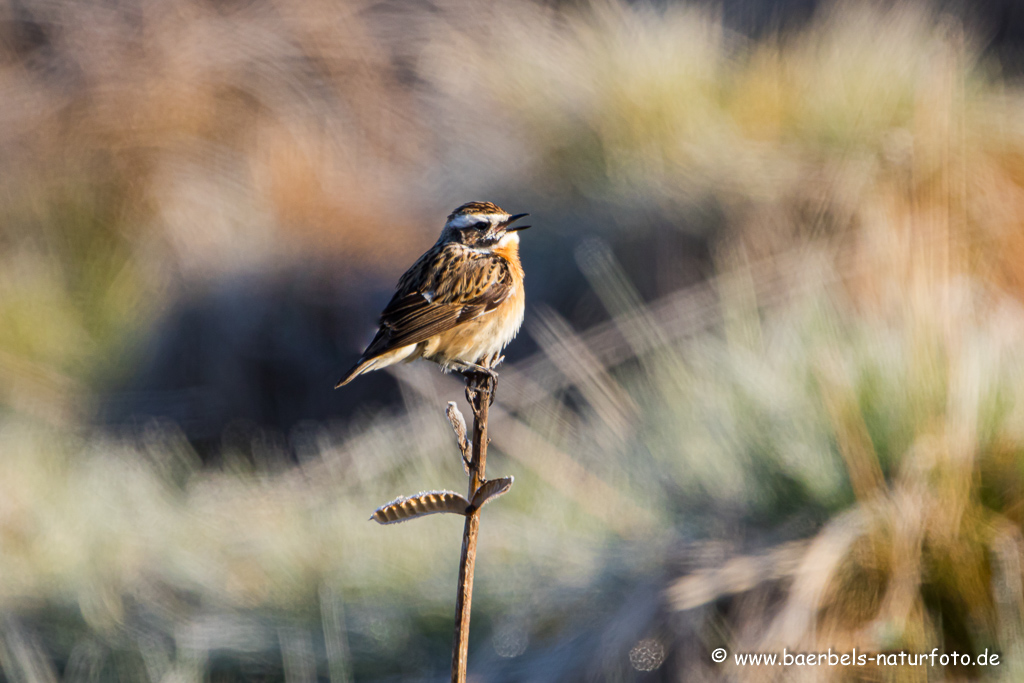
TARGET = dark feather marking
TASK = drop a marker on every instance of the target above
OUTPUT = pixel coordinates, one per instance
(481, 284)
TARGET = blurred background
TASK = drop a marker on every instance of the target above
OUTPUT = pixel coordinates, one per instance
(769, 393)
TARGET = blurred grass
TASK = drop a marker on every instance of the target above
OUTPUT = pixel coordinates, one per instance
(851, 378)
(720, 437)
(198, 142)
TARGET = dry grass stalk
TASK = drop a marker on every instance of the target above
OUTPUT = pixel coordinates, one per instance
(479, 393)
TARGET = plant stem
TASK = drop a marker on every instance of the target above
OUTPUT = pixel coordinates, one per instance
(478, 391)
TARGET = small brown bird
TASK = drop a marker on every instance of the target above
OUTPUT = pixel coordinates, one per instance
(461, 303)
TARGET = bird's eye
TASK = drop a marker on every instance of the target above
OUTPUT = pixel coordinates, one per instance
(481, 225)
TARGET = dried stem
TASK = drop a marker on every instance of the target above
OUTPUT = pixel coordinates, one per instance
(459, 427)
(478, 393)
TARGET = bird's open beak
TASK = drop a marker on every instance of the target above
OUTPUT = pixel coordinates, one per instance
(513, 219)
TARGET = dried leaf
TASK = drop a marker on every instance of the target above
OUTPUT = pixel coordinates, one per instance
(403, 509)
(459, 427)
(491, 489)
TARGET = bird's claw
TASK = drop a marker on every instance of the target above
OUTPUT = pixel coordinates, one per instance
(492, 379)
(479, 378)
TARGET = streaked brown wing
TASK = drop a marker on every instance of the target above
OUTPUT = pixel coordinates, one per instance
(443, 289)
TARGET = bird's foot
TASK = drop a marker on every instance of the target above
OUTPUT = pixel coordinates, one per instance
(491, 378)
(477, 378)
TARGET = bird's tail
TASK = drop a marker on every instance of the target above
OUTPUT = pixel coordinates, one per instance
(381, 360)
(364, 365)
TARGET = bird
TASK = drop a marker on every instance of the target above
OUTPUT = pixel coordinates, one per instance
(460, 304)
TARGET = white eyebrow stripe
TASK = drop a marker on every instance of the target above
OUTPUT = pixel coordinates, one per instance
(467, 219)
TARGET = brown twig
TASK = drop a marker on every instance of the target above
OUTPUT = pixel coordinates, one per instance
(478, 393)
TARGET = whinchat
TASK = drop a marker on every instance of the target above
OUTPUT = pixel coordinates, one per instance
(461, 303)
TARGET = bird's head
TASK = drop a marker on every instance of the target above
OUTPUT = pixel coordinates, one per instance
(482, 225)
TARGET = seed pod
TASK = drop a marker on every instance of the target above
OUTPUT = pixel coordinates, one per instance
(403, 509)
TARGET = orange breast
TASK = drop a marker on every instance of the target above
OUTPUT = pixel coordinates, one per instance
(510, 252)
(512, 310)
(487, 335)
